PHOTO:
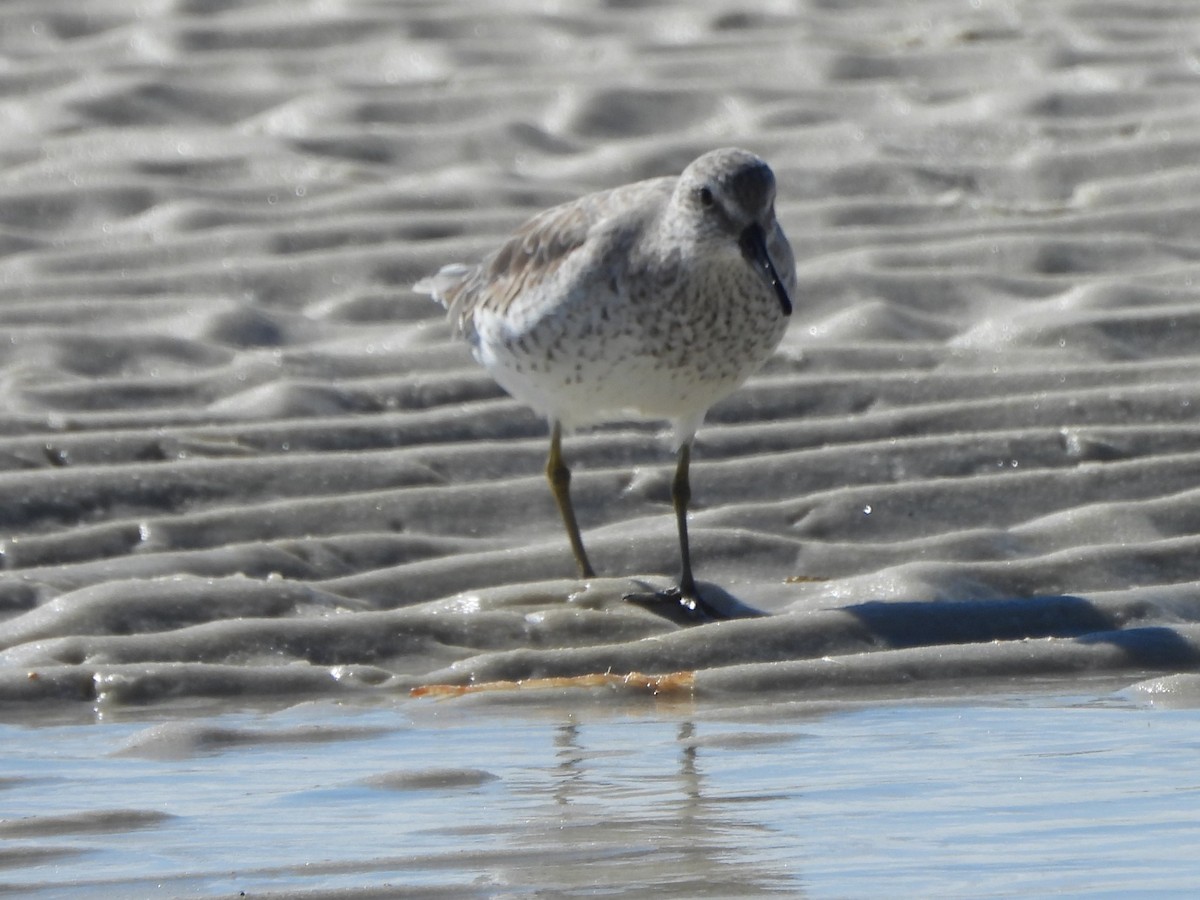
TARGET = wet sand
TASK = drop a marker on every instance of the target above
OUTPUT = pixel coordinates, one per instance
(241, 457)
(242, 463)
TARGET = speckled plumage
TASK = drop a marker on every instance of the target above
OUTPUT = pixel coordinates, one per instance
(655, 299)
(626, 301)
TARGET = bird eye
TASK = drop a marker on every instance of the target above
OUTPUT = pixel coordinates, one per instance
(706, 196)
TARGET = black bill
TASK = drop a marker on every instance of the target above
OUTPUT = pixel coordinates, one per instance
(753, 243)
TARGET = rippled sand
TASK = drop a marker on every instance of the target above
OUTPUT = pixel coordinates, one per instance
(241, 458)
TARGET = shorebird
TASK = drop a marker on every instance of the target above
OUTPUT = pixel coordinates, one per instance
(654, 299)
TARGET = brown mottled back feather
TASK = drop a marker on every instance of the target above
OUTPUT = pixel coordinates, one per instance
(532, 255)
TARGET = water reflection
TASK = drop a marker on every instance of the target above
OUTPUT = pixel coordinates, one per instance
(569, 767)
(644, 811)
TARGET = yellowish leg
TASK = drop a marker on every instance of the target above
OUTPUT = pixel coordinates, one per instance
(560, 484)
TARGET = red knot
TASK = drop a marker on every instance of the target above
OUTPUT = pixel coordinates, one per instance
(652, 300)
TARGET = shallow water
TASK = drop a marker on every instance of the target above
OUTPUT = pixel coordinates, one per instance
(975, 795)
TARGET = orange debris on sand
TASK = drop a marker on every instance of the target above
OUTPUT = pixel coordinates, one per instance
(654, 684)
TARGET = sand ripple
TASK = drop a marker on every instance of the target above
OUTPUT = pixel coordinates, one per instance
(239, 457)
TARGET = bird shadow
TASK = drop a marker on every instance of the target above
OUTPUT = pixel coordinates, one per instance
(904, 624)
(717, 605)
(1151, 647)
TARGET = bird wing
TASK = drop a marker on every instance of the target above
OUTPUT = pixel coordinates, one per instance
(530, 256)
(535, 252)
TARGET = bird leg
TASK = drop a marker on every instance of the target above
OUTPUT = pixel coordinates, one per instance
(681, 496)
(692, 606)
(560, 484)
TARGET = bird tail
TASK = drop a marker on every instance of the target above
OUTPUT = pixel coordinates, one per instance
(449, 286)
(444, 285)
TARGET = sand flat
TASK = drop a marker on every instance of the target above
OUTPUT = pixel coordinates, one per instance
(239, 457)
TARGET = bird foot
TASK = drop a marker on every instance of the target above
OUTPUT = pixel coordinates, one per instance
(678, 605)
